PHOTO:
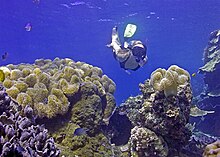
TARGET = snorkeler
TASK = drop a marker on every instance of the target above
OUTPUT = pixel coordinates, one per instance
(132, 55)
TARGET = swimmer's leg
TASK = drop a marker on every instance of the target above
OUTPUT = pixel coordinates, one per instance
(115, 44)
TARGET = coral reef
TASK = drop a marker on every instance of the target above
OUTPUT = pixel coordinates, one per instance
(83, 145)
(169, 80)
(65, 95)
(210, 97)
(212, 150)
(197, 144)
(167, 117)
(19, 136)
(146, 143)
(211, 68)
(211, 53)
(164, 117)
(49, 86)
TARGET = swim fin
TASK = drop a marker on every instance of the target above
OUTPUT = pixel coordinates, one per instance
(130, 30)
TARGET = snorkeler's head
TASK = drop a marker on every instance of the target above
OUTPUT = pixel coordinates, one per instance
(139, 52)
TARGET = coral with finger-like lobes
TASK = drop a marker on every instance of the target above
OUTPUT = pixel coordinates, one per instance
(212, 150)
(145, 143)
(169, 80)
(50, 86)
(19, 136)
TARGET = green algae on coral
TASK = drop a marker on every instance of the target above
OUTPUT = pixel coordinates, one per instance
(66, 95)
(109, 108)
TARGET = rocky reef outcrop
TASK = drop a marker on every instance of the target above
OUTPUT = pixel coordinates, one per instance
(209, 99)
(145, 142)
(19, 135)
(159, 120)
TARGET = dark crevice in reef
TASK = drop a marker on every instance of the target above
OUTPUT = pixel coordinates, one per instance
(119, 129)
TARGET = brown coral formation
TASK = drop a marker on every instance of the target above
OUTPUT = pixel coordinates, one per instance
(84, 145)
(212, 150)
(164, 115)
(147, 144)
(168, 117)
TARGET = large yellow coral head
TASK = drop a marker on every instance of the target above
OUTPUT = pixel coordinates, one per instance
(169, 80)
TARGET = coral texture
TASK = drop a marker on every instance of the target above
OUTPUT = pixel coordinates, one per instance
(211, 53)
(84, 145)
(165, 117)
(212, 150)
(19, 136)
(197, 144)
(210, 97)
(66, 95)
(50, 87)
(211, 59)
(147, 144)
(169, 80)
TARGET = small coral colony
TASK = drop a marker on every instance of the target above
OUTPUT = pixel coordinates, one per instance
(65, 108)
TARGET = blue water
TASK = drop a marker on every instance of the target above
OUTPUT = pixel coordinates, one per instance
(175, 31)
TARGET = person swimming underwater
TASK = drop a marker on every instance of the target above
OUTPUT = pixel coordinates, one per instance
(132, 55)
